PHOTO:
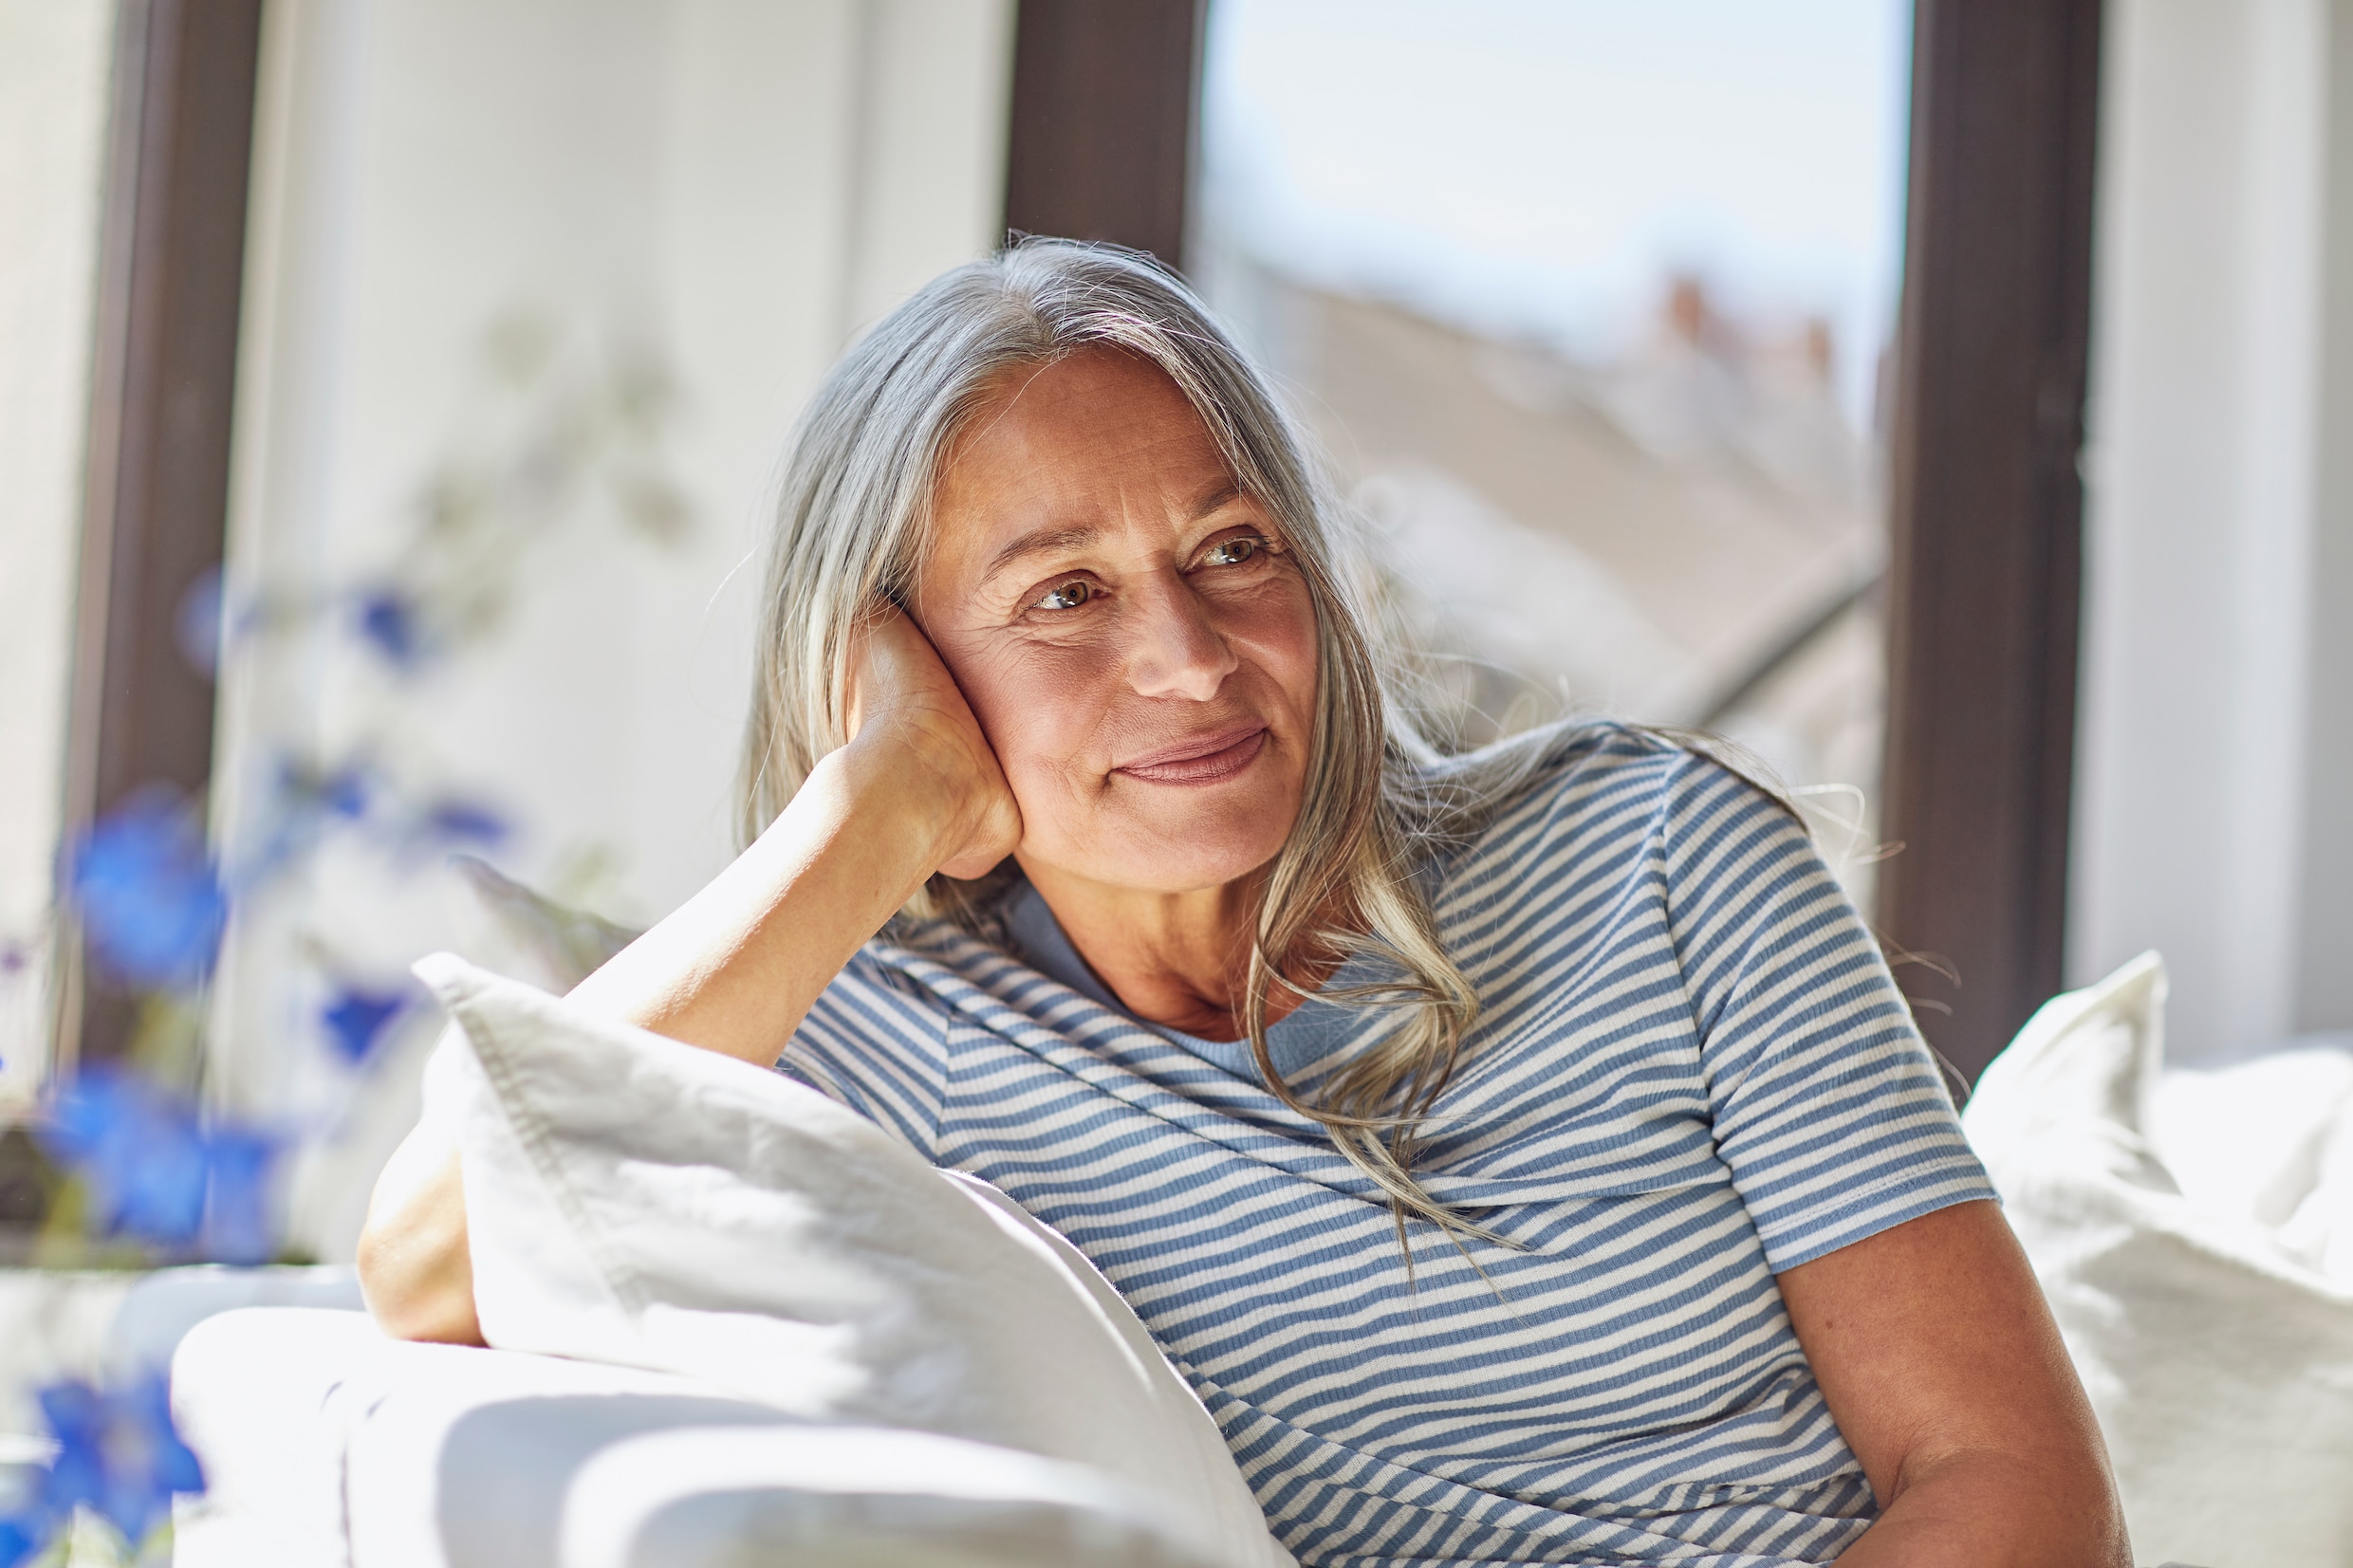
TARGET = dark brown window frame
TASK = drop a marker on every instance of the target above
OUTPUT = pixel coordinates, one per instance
(1103, 128)
(163, 389)
(1985, 579)
(1986, 565)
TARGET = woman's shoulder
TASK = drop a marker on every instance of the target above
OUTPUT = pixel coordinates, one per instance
(1607, 779)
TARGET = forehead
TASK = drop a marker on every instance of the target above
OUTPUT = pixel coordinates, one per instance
(1099, 403)
(1064, 441)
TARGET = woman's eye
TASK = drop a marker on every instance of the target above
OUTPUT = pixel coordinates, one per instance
(1068, 596)
(1232, 552)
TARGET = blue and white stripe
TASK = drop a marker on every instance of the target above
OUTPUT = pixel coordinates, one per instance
(1692, 1072)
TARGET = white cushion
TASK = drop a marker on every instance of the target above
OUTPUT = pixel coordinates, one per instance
(328, 1446)
(249, 1391)
(2269, 1140)
(639, 1201)
(2218, 1353)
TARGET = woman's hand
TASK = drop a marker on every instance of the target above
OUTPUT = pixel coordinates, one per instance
(902, 698)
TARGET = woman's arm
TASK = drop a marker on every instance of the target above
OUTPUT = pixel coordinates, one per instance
(734, 969)
(1938, 1357)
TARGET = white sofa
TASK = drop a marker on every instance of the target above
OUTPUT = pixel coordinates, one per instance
(328, 1446)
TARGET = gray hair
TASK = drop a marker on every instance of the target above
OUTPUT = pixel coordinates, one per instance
(851, 524)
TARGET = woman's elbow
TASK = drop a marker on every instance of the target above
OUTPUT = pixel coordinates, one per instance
(415, 1269)
(417, 1291)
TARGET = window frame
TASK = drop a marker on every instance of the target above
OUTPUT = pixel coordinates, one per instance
(164, 392)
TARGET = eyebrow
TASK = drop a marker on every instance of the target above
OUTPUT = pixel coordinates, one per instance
(1042, 542)
(1224, 493)
(1049, 539)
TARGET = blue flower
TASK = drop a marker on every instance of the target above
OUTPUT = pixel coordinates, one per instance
(344, 793)
(149, 894)
(304, 802)
(238, 1224)
(303, 791)
(139, 1150)
(389, 623)
(157, 1174)
(456, 823)
(357, 1020)
(117, 1453)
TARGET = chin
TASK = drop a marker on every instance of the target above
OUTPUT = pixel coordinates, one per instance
(1197, 847)
(1168, 852)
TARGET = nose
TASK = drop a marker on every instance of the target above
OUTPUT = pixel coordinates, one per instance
(1175, 648)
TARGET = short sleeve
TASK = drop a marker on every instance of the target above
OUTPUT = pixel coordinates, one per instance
(876, 1042)
(1829, 1109)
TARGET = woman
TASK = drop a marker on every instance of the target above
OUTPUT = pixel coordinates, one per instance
(1527, 1156)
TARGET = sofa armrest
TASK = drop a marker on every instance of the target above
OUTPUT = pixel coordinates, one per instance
(327, 1443)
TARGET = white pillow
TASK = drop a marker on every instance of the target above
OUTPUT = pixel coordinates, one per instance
(2220, 1361)
(640, 1202)
(2268, 1139)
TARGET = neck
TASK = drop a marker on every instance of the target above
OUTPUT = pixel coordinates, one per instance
(1181, 959)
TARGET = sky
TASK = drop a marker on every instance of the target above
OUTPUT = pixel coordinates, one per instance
(1537, 167)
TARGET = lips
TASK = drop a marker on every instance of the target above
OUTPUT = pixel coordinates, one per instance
(1205, 759)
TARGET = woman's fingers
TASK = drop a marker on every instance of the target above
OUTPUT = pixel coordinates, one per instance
(881, 657)
(997, 836)
(898, 684)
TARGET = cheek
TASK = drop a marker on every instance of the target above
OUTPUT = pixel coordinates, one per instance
(1276, 632)
(1038, 705)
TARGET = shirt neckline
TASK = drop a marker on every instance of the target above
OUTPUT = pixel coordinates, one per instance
(1315, 1031)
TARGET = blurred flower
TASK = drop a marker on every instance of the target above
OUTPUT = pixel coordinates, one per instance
(139, 1149)
(355, 1020)
(343, 793)
(117, 1453)
(305, 799)
(389, 623)
(454, 823)
(238, 1225)
(157, 1174)
(148, 892)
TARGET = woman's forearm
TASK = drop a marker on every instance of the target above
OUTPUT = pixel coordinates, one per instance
(1946, 1372)
(731, 970)
(1978, 1508)
(736, 966)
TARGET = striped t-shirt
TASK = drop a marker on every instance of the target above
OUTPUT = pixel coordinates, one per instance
(1692, 1072)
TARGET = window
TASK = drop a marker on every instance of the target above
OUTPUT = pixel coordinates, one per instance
(1590, 302)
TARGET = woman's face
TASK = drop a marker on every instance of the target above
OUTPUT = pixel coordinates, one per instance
(1129, 628)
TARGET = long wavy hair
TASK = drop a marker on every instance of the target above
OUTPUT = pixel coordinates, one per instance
(851, 528)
